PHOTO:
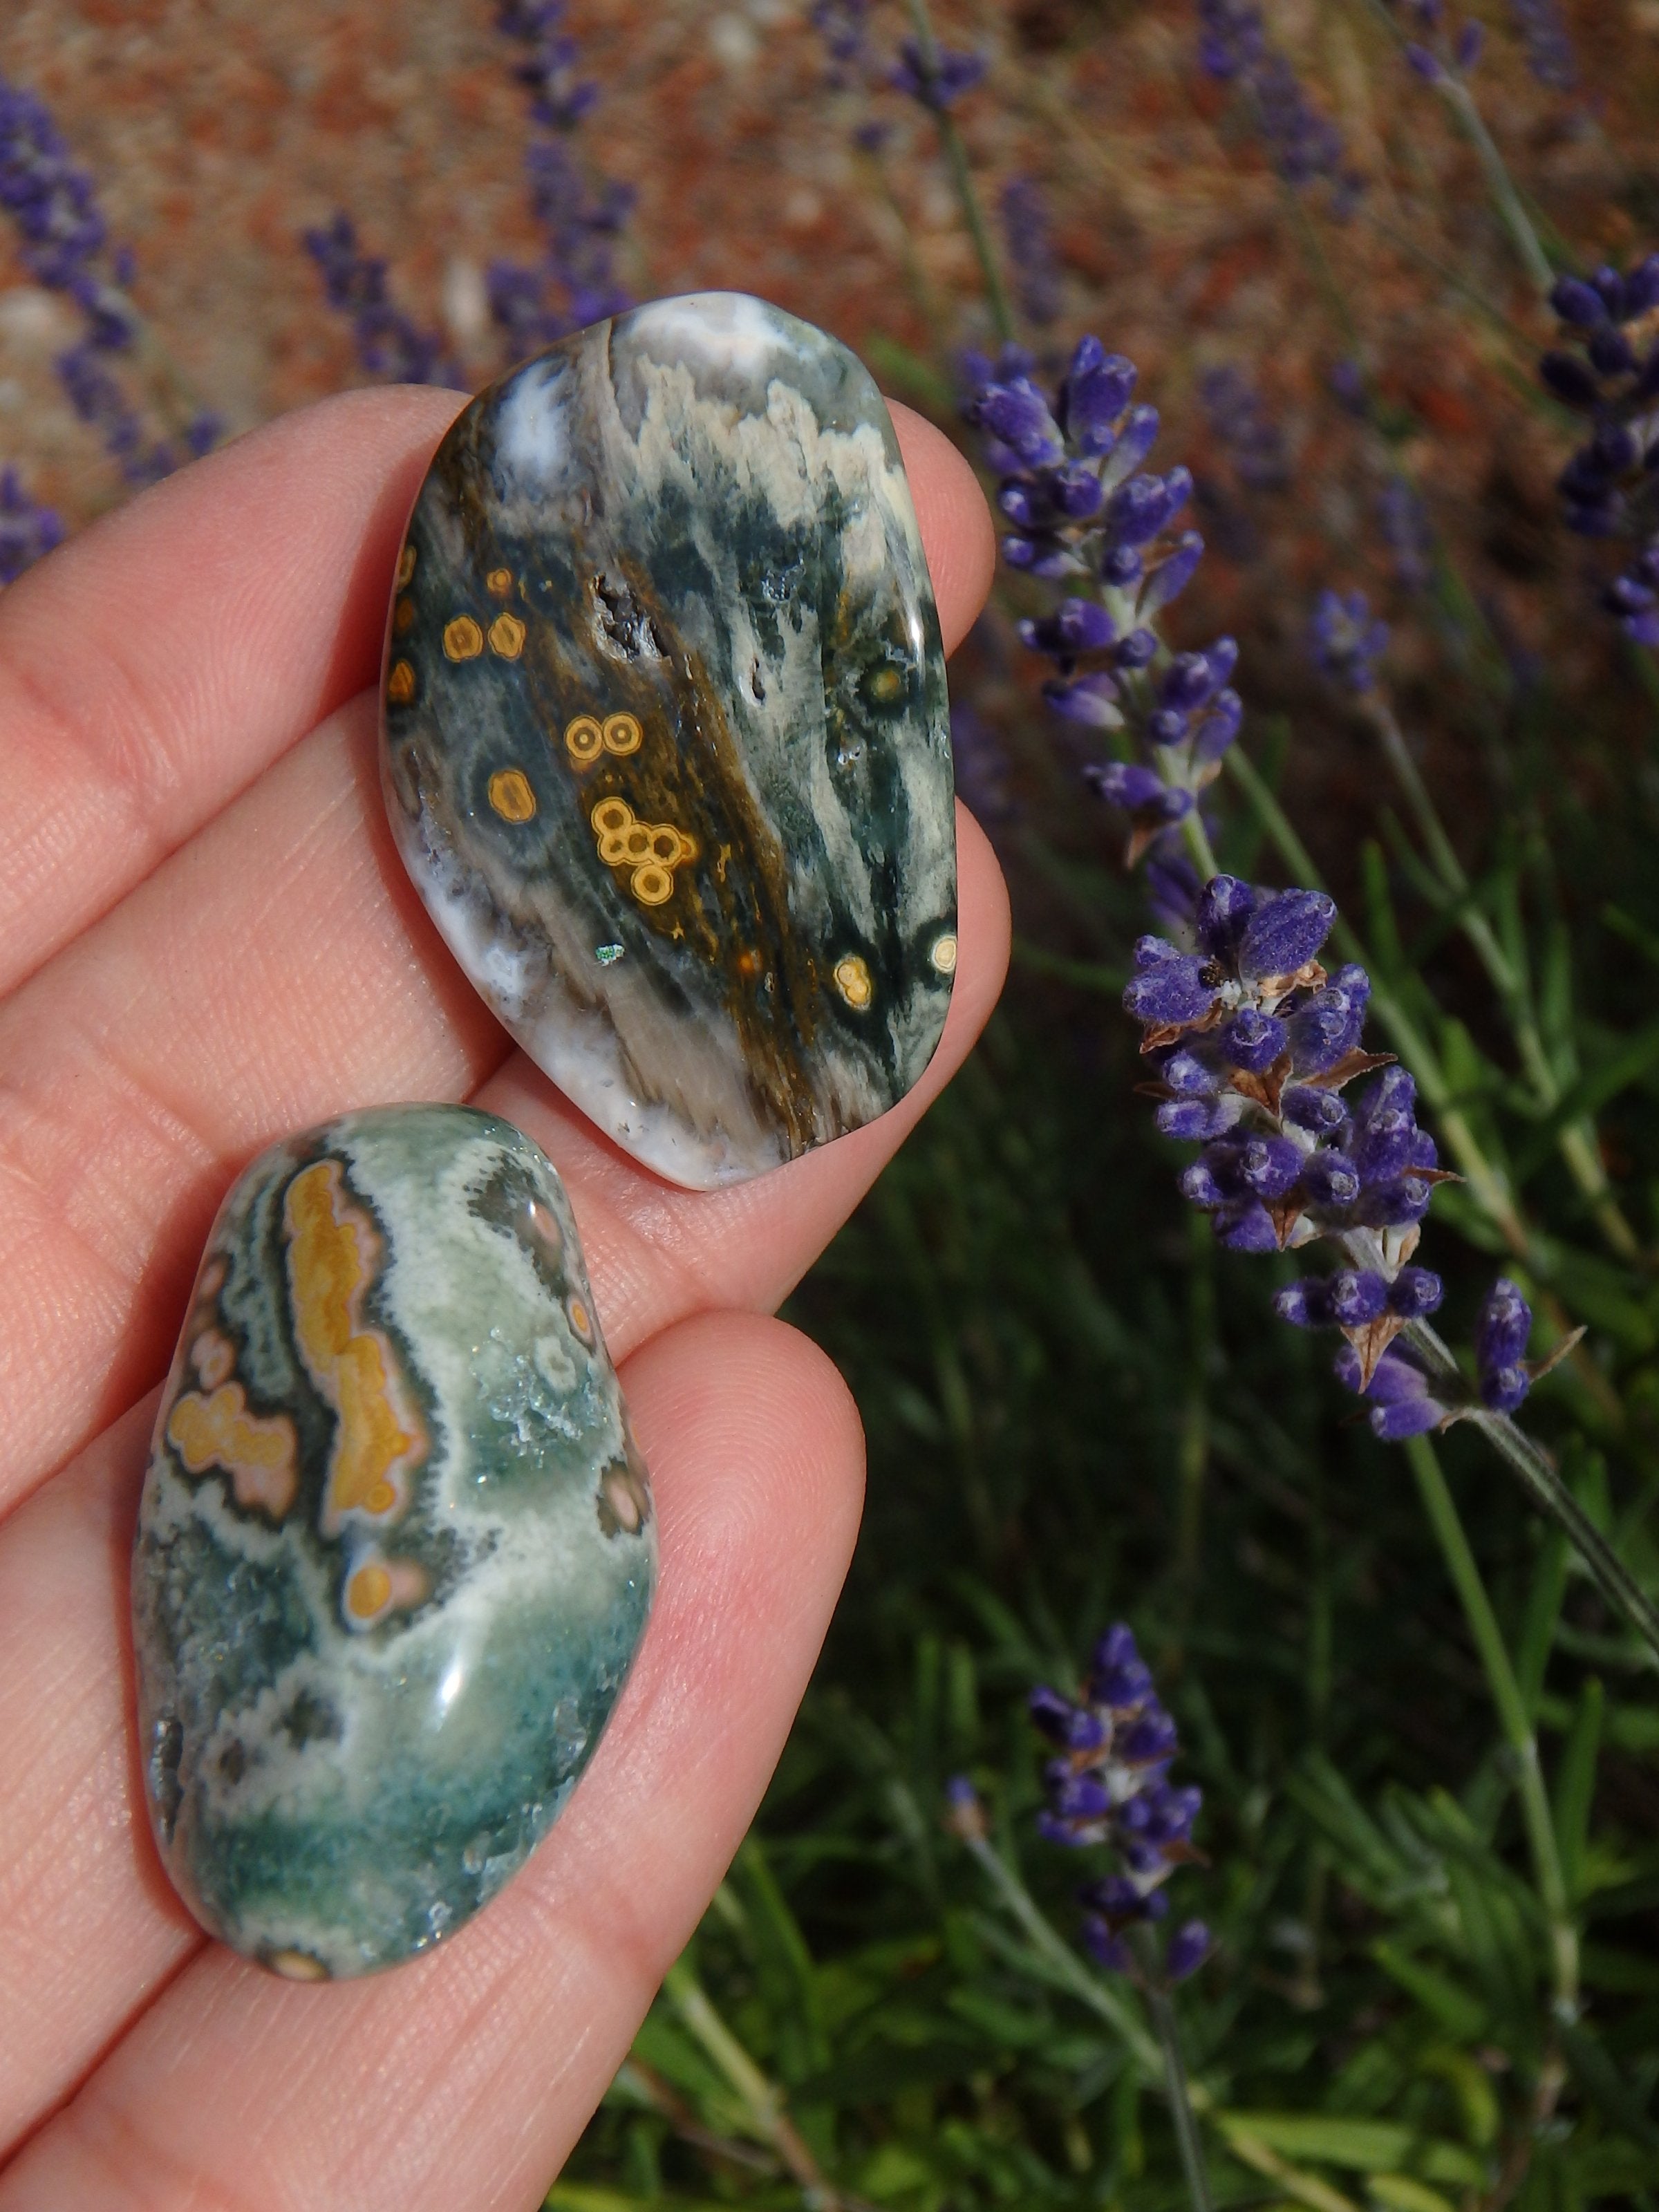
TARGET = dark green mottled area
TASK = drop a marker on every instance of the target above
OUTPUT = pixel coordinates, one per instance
(335, 1790)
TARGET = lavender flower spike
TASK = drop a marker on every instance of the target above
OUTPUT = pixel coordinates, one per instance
(1109, 1784)
(1091, 518)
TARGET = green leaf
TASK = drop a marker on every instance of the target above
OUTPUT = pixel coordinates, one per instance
(1367, 2146)
(1460, 2013)
(1597, 1087)
(783, 1966)
(1549, 1587)
(1399, 2191)
(1575, 1785)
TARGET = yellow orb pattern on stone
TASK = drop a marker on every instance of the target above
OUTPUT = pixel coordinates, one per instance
(944, 955)
(622, 734)
(650, 850)
(369, 1590)
(463, 639)
(498, 583)
(400, 683)
(511, 796)
(852, 974)
(405, 567)
(506, 635)
(584, 738)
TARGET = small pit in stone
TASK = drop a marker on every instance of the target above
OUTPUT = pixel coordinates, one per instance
(622, 626)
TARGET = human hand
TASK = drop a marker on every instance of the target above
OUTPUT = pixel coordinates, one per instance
(206, 942)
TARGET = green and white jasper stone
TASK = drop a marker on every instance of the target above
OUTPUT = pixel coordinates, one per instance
(667, 738)
(396, 1548)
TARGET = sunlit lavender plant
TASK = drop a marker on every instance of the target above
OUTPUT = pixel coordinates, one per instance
(389, 342)
(1304, 146)
(579, 213)
(66, 247)
(1251, 1041)
(1545, 42)
(1610, 372)
(1029, 238)
(1087, 515)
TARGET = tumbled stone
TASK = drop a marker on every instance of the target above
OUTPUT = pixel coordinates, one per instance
(396, 1547)
(666, 745)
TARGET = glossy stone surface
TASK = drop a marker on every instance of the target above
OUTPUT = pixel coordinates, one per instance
(667, 741)
(396, 1548)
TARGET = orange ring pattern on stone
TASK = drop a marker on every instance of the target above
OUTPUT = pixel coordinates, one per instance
(585, 737)
(651, 851)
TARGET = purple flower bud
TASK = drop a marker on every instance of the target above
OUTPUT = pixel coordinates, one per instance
(1137, 650)
(1415, 1291)
(1074, 1728)
(1212, 1179)
(1135, 439)
(1076, 626)
(1195, 1119)
(1166, 727)
(1401, 1402)
(1220, 726)
(1138, 510)
(1107, 1951)
(1325, 1029)
(1019, 414)
(1189, 1074)
(1386, 1127)
(1224, 908)
(1080, 1796)
(1077, 493)
(1305, 1304)
(1148, 1739)
(1246, 1225)
(1421, 59)
(1329, 1178)
(1642, 287)
(1120, 565)
(1578, 303)
(1405, 1418)
(1393, 1205)
(1097, 387)
(1504, 1326)
(1189, 1947)
(1285, 932)
(1091, 700)
(1357, 1296)
(1504, 1388)
(1190, 678)
(1470, 39)
(1252, 1040)
(1172, 577)
(1172, 991)
(1611, 285)
(1319, 1112)
(1271, 1165)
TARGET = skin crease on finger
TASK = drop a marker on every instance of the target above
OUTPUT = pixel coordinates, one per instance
(299, 866)
(461, 2081)
(273, 970)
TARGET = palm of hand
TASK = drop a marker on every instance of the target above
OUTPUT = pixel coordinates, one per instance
(206, 941)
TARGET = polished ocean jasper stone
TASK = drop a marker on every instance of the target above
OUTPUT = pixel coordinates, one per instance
(396, 1548)
(666, 745)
